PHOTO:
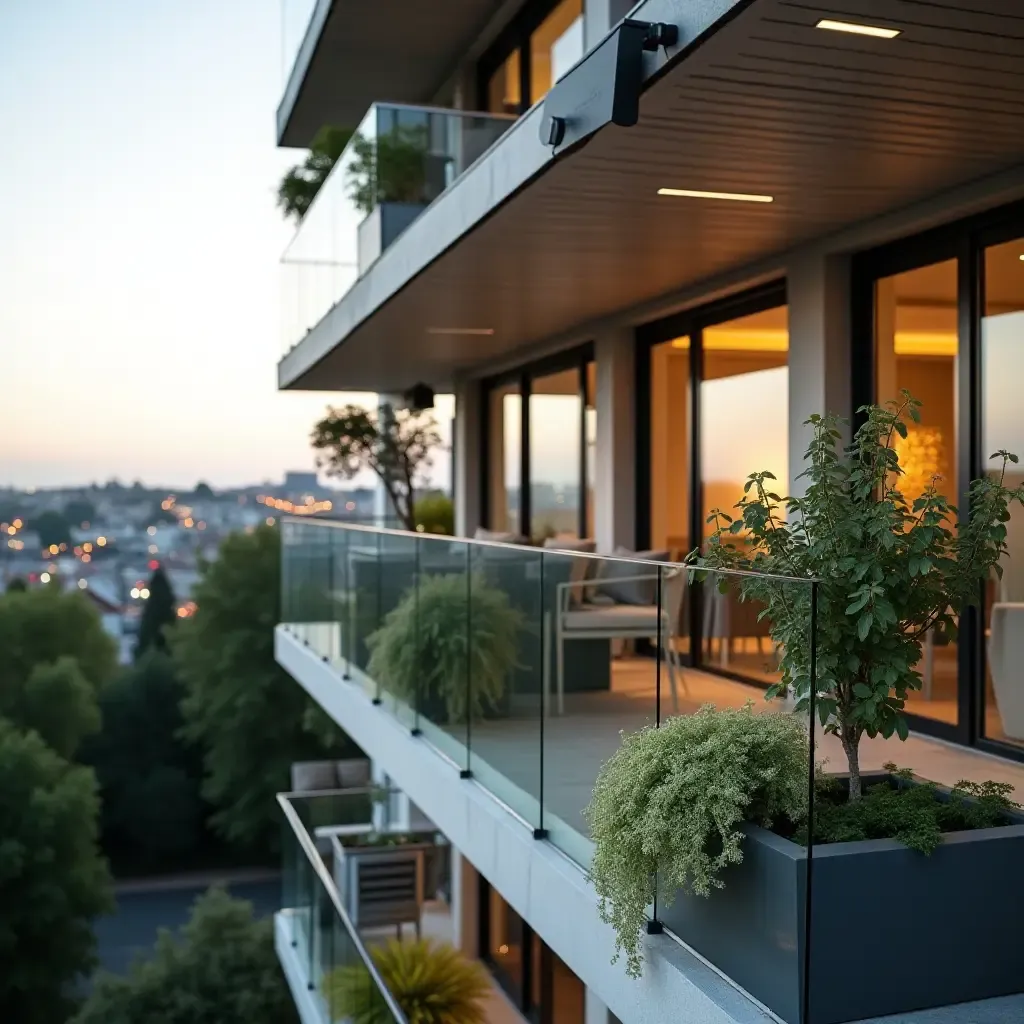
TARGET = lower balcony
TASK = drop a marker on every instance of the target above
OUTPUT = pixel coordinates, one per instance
(588, 648)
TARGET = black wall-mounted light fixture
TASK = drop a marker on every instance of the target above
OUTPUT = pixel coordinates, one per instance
(419, 397)
(604, 88)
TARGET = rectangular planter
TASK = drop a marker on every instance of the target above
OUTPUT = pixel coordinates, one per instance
(891, 930)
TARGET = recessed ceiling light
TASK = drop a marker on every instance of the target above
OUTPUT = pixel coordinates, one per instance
(1022, 256)
(460, 330)
(858, 30)
(736, 197)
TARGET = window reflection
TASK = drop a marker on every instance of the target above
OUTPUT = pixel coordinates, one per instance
(555, 46)
(916, 349)
(1002, 367)
(670, 447)
(744, 428)
(555, 439)
(504, 457)
(503, 91)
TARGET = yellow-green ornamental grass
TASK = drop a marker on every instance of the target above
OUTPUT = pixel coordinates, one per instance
(432, 982)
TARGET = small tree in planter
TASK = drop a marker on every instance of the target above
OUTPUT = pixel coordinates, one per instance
(891, 569)
(388, 168)
(450, 639)
(396, 445)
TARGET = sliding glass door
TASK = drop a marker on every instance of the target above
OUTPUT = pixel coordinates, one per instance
(942, 316)
(541, 429)
(716, 402)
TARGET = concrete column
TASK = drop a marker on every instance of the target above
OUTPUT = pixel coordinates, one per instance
(615, 462)
(601, 15)
(465, 905)
(467, 456)
(818, 289)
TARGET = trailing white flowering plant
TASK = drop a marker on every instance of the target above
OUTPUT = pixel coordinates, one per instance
(891, 567)
(667, 807)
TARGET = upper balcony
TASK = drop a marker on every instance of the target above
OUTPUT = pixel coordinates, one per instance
(399, 160)
(339, 56)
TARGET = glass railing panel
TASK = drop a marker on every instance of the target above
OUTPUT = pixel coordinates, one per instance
(366, 594)
(613, 627)
(392, 661)
(444, 709)
(336, 965)
(398, 161)
(751, 921)
(508, 641)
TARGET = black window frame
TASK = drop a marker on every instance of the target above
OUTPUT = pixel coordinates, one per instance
(515, 36)
(964, 240)
(689, 323)
(579, 359)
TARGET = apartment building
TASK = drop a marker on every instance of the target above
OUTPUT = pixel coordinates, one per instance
(641, 245)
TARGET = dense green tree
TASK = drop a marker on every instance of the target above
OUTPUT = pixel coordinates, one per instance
(42, 625)
(79, 511)
(221, 968)
(203, 491)
(158, 614)
(149, 778)
(53, 881)
(301, 183)
(16, 585)
(53, 528)
(250, 717)
(57, 701)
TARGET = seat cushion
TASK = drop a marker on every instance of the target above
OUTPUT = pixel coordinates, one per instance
(632, 591)
(641, 619)
(353, 773)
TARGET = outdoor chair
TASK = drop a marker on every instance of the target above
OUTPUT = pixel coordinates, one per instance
(579, 619)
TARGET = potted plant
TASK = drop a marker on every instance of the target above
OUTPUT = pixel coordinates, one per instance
(931, 873)
(447, 647)
(388, 168)
(432, 983)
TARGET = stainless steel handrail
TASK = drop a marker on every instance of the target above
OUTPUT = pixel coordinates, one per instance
(328, 883)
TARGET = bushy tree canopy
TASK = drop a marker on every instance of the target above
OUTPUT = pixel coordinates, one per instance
(53, 881)
(53, 528)
(158, 614)
(251, 719)
(301, 183)
(149, 778)
(222, 968)
(42, 625)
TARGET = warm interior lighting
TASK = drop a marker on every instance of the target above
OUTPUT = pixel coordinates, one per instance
(736, 197)
(461, 330)
(858, 30)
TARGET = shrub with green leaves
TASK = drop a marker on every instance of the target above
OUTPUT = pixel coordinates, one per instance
(432, 982)
(911, 811)
(891, 568)
(670, 801)
(450, 638)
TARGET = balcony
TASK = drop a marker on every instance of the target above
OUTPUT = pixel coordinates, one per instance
(399, 160)
(551, 675)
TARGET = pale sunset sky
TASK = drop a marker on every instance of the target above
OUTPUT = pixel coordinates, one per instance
(139, 244)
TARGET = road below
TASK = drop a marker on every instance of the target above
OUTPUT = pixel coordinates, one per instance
(145, 906)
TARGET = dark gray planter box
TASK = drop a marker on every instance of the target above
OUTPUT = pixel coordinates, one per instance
(891, 930)
(380, 228)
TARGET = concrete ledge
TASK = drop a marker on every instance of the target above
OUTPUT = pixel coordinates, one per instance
(543, 886)
(308, 1003)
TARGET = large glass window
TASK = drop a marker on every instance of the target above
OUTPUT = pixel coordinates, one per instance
(504, 95)
(916, 348)
(504, 460)
(553, 444)
(1002, 427)
(555, 46)
(670, 447)
(556, 409)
